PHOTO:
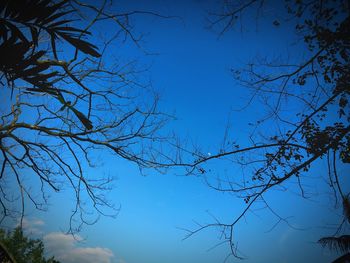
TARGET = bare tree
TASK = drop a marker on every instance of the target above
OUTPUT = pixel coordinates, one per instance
(64, 102)
(307, 113)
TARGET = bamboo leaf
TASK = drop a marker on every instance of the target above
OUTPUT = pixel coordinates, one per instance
(66, 21)
(35, 35)
(72, 29)
(81, 45)
(84, 120)
(56, 16)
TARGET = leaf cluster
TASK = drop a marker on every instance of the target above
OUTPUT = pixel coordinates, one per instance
(23, 249)
(23, 24)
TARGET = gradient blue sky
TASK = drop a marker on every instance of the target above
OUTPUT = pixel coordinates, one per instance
(191, 71)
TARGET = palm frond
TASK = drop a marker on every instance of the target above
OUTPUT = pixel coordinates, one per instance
(338, 244)
(343, 259)
(36, 15)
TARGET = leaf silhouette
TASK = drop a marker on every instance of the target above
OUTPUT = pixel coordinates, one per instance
(343, 259)
(81, 45)
(346, 207)
(19, 57)
(84, 120)
(338, 244)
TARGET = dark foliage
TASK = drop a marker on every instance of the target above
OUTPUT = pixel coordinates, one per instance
(339, 244)
(20, 53)
(17, 248)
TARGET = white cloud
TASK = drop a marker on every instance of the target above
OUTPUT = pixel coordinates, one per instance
(65, 249)
(32, 226)
(90, 254)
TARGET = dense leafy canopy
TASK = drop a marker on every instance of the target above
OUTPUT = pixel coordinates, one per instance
(21, 248)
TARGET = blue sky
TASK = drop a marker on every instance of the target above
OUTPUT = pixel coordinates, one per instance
(191, 71)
